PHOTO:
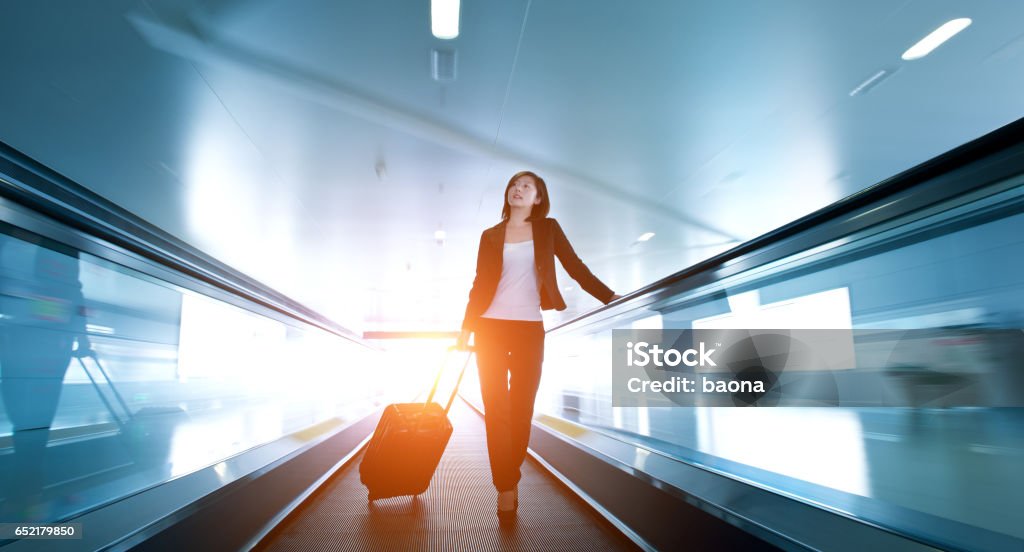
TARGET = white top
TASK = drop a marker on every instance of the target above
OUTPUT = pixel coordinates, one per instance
(517, 297)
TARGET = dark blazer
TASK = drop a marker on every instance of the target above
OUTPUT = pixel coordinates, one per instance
(548, 241)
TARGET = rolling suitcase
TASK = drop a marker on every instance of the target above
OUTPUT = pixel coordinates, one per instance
(408, 443)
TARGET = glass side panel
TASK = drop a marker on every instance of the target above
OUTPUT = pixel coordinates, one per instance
(946, 475)
(113, 381)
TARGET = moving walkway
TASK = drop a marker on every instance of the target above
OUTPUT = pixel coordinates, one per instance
(260, 459)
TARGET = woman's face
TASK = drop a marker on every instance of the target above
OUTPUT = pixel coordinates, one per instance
(523, 192)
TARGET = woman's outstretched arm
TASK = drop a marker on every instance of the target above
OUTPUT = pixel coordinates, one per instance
(577, 269)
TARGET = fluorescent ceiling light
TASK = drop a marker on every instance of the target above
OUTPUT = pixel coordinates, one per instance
(646, 236)
(936, 38)
(444, 18)
(439, 235)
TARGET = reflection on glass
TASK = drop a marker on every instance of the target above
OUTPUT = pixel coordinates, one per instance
(113, 381)
(823, 446)
(828, 309)
(910, 469)
(43, 321)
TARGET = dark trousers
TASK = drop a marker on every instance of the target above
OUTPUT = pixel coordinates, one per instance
(509, 354)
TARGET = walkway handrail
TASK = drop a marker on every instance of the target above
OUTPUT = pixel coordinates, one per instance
(35, 186)
(991, 158)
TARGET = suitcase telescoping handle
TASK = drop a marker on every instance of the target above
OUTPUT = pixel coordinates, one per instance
(437, 379)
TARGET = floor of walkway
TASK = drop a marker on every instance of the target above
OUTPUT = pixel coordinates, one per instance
(456, 513)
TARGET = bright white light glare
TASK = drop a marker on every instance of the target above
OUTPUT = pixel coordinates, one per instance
(444, 18)
(872, 80)
(645, 236)
(439, 235)
(936, 38)
(96, 328)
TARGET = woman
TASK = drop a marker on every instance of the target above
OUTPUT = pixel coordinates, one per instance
(515, 280)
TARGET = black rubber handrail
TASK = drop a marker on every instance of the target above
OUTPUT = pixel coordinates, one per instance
(39, 188)
(1008, 137)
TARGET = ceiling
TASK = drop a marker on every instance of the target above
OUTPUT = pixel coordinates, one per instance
(305, 142)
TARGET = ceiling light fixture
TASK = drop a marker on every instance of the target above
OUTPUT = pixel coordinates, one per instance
(645, 236)
(444, 18)
(936, 38)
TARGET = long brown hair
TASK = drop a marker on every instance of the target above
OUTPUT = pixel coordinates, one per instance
(539, 210)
